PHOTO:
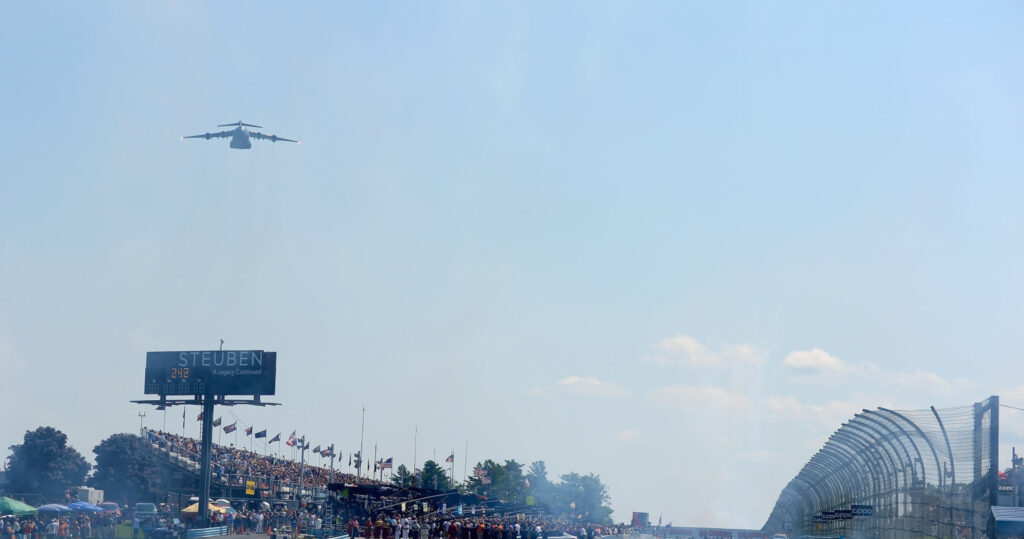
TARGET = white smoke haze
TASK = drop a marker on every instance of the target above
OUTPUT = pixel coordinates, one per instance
(700, 398)
(588, 386)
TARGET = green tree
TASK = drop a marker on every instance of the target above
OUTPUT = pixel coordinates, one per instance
(434, 476)
(487, 478)
(402, 476)
(540, 486)
(45, 464)
(126, 469)
(582, 496)
(512, 487)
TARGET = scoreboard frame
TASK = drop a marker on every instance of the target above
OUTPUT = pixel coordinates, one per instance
(211, 372)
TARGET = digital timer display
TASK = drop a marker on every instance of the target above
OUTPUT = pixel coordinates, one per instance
(177, 373)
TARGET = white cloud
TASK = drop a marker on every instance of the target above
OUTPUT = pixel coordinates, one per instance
(818, 366)
(1013, 396)
(697, 396)
(629, 435)
(931, 382)
(831, 414)
(588, 386)
(686, 350)
(816, 360)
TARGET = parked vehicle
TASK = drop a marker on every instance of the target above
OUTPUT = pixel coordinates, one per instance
(143, 509)
(111, 508)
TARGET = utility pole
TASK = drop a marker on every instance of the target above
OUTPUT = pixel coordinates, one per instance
(141, 416)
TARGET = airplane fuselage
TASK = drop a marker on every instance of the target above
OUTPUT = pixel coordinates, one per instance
(240, 139)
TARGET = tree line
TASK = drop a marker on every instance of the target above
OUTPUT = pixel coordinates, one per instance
(572, 496)
(127, 470)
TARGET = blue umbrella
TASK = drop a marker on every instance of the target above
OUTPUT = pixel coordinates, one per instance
(85, 507)
(54, 508)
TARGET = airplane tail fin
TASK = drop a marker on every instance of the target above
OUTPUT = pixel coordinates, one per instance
(240, 123)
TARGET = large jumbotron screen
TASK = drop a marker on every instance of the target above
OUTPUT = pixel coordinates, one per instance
(212, 372)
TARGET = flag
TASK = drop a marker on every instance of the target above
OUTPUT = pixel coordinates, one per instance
(386, 465)
(527, 482)
(248, 431)
(261, 434)
(485, 480)
(216, 422)
(290, 442)
(451, 458)
(183, 410)
(317, 448)
(480, 472)
(200, 418)
(276, 438)
(230, 428)
(350, 459)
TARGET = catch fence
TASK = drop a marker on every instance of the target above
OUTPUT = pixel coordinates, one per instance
(896, 474)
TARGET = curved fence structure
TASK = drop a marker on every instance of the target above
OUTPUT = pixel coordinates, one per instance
(889, 473)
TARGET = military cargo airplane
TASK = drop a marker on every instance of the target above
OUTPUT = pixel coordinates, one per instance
(240, 135)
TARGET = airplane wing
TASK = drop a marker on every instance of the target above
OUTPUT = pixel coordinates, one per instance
(208, 136)
(272, 138)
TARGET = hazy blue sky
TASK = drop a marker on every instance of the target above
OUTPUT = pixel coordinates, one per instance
(675, 244)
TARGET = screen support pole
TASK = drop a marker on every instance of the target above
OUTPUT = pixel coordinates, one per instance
(204, 466)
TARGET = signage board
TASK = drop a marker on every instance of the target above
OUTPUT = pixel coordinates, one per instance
(862, 510)
(844, 514)
(211, 372)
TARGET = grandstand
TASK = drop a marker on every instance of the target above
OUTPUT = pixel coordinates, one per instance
(273, 479)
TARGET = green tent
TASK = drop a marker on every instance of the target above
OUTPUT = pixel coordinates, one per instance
(10, 506)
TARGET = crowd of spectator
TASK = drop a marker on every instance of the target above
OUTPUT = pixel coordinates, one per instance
(441, 526)
(76, 526)
(235, 465)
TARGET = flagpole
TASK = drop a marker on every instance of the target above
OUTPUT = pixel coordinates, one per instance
(415, 437)
(465, 462)
(362, 430)
(302, 464)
